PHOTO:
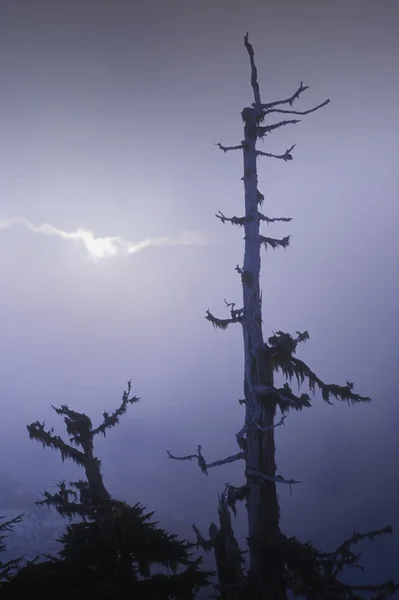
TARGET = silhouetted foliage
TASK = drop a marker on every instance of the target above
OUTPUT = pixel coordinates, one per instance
(10, 567)
(113, 549)
(276, 563)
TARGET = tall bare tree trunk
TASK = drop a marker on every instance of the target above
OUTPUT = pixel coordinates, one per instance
(269, 575)
(262, 500)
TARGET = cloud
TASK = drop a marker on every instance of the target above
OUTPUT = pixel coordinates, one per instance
(105, 247)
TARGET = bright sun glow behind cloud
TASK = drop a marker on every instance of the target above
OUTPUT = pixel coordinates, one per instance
(100, 248)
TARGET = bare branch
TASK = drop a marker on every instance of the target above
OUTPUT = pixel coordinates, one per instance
(204, 466)
(302, 88)
(240, 435)
(254, 72)
(277, 479)
(281, 422)
(232, 220)
(297, 112)
(229, 148)
(225, 461)
(231, 305)
(262, 131)
(198, 457)
(286, 156)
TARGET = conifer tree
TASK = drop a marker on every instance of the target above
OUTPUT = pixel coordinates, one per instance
(276, 563)
(110, 549)
(10, 567)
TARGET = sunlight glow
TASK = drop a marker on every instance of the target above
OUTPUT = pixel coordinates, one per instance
(100, 248)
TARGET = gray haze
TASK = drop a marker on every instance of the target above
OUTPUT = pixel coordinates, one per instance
(110, 112)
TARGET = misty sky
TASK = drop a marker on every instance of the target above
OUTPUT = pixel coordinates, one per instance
(110, 112)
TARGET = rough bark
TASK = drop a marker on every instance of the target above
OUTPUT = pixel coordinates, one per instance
(276, 563)
(263, 508)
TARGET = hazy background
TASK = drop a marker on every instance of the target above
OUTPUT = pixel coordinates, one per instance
(109, 116)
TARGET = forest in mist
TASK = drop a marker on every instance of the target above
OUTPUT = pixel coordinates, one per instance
(110, 255)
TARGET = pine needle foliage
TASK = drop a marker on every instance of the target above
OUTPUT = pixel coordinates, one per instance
(109, 549)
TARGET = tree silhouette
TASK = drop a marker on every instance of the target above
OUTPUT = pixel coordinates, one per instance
(10, 567)
(111, 550)
(276, 563)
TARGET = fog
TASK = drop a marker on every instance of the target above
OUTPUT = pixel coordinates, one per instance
(109, 117)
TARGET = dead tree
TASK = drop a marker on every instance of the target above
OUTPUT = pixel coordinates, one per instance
(256, 440)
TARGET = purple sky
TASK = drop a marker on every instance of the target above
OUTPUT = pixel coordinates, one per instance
(109, 116)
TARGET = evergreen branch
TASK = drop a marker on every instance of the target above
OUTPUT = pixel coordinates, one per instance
(275, 243)
(236, 317)
(301, 371)
(65, 500)
(206, 545)
(232, 220)
(113, 419)
(287, 396)
(37, 432)
(261, 132)
(254, 73)
(274, 220)
(386, 590)
(78, 425)
(65, 510)
(286, 156)
(229, 148)
(9, 525)
(8, 568)
(283, 346)
(228, 555)
(298, 112)
(302, 88)
(234, 494)
(283, 395)
(343, 555)
(286, 343)
(277, 479)
(203, 465)
(309, 574)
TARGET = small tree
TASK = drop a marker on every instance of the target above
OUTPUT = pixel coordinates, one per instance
(276, 563)
(9, 568)
(109, 553)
